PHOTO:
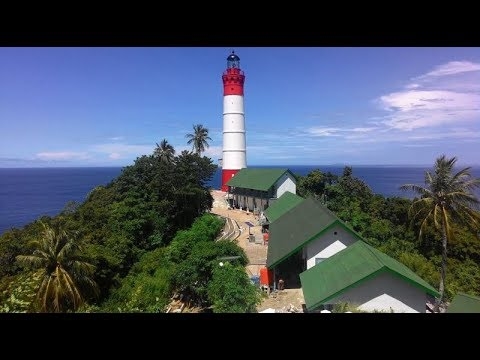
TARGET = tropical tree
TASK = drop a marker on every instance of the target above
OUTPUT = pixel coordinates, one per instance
(65, 275)
(447, 198)
(198, 139)
(165, 151)
(231, 291)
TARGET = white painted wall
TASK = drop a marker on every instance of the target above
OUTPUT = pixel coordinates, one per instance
(234, 140)
(285, 183)
(328, 244)
(384, 292)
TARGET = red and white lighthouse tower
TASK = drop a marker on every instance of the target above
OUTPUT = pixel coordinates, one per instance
(234, 143)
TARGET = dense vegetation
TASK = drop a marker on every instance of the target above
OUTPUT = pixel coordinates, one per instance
(129, 247)
(148, 236)
(446, 199)
(389, 225)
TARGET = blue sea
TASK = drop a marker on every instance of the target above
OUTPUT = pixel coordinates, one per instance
(29, 193)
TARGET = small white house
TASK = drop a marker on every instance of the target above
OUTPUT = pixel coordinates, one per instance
(254, 189)
(367, 278)
(308, 229)
(304, 236)
(329, 242)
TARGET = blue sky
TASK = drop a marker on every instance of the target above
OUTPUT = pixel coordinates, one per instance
(303, 106)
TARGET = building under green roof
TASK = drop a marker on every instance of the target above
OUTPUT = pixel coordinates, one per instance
(284, 203)
(464, 303)
(350, 267)
(257, 178)
(297, 227)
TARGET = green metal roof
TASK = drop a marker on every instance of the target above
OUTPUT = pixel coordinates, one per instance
(257, 178)
(464, 303)
(297, 227)
(350, 267)
(284, 203)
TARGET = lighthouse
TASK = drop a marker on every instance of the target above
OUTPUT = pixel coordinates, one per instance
(234, 155)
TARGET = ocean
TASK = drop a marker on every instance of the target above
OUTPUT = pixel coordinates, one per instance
(29, 193)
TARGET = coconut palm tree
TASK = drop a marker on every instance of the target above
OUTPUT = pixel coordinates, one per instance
(65, 276)
(446, 198)
(165, 151)
(198, 139)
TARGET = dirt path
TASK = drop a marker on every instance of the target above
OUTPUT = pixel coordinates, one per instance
(281, 301)
(256, 253)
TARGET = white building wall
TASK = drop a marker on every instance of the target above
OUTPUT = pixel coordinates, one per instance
(385, 292)
(285, 183)
(329, 243)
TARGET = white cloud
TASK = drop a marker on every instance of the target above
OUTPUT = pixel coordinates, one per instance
(331, 131)
(452, 68)
(114, 156)
(412, 86)
(213, 152)
(62, 156)
(453, 134)
(119, 151)
(324, 131)
(364, 129)
(417, 145)
(429, 100)
(116, 138)
(281, 157)
(449, 94)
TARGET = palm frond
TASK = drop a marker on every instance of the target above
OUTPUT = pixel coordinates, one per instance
(30, 261)
(416, 188)
(70, 289)
(437, 216)
(57, 254)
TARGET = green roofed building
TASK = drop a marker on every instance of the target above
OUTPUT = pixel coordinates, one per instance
(310, 229)
(284, 203)
(464, 303)
(365, 277)
(255, 189)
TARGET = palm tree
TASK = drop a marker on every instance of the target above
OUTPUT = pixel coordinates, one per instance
(198, 139)
(165, 151)
(65, 276)
(446, 198)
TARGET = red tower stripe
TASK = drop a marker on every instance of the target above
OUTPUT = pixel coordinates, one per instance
(227, 175)
(233, 80)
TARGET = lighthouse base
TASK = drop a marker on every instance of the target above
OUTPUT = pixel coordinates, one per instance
(227, 175)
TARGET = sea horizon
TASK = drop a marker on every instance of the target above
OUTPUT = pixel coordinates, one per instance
(252, 165)
(28, 193)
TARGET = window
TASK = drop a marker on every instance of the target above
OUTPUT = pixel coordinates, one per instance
(335, 233)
